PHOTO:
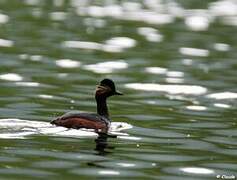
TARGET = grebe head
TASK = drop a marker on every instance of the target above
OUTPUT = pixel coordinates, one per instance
(106, 88)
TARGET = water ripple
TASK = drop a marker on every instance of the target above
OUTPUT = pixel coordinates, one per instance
(181, 56)
(28, 172)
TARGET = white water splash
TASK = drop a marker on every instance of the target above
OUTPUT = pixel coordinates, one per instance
(20, 129)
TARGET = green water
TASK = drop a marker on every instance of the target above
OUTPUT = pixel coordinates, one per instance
(175, 62)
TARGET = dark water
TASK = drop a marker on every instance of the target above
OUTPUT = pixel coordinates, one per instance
(175, 61)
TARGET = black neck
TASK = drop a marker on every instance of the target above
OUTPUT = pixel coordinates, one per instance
(102, 108)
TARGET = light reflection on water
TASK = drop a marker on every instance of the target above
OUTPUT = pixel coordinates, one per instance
(106, 67)
(116, 44)
(175, 61)
(172, 89)
(11, 77)
(6, 43)
(67, 63)
(3, 18)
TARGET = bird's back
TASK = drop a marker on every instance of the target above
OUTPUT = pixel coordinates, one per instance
(79, 120)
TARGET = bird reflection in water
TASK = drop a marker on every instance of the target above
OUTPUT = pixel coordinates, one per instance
(102, 143)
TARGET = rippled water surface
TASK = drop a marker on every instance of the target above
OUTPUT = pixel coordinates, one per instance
(175, 62)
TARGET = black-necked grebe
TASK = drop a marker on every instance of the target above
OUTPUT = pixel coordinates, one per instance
(100, 122)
